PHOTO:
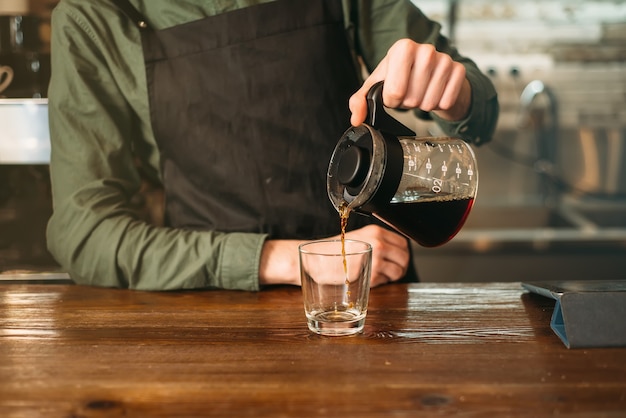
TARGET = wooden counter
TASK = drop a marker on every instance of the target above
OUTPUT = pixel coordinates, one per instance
(427, 349)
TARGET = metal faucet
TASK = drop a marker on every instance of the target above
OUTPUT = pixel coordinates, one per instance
(539, 110)
(527, 102)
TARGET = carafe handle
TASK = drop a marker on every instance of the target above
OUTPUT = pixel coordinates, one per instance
(378, 118)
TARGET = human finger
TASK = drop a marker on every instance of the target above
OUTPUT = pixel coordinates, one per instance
(410, 68)
(390, 253)
(453, 87)
(384, 272)
(439, 77)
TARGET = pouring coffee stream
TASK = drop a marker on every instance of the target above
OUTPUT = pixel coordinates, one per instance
(424, 187)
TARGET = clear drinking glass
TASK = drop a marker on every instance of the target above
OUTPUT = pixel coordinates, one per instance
(335, 285)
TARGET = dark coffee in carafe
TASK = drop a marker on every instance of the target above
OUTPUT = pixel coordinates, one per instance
(423, 187)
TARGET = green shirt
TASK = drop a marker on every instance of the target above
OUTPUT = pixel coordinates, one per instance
(100, 129)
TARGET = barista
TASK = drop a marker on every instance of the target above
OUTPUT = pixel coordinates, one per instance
(235, 113)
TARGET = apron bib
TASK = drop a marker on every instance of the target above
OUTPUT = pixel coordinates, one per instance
(246, 109)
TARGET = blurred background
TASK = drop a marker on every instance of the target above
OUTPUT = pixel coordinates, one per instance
(552, 194)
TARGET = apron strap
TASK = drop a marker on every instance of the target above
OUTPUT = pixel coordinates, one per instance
(129, 10)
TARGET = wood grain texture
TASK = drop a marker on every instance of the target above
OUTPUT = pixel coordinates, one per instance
(427, 350)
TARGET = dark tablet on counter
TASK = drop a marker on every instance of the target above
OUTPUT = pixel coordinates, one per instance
(587, 313)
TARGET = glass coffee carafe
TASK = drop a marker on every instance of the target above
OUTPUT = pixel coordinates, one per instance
(424, 187)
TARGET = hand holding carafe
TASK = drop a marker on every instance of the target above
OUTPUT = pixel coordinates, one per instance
(423, 187)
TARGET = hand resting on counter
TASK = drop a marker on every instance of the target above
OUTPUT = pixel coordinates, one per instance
(390, 257)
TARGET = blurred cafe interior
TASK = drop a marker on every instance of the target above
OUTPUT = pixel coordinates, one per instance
(552, 194)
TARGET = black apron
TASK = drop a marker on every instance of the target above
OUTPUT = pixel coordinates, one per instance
(246, 109)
